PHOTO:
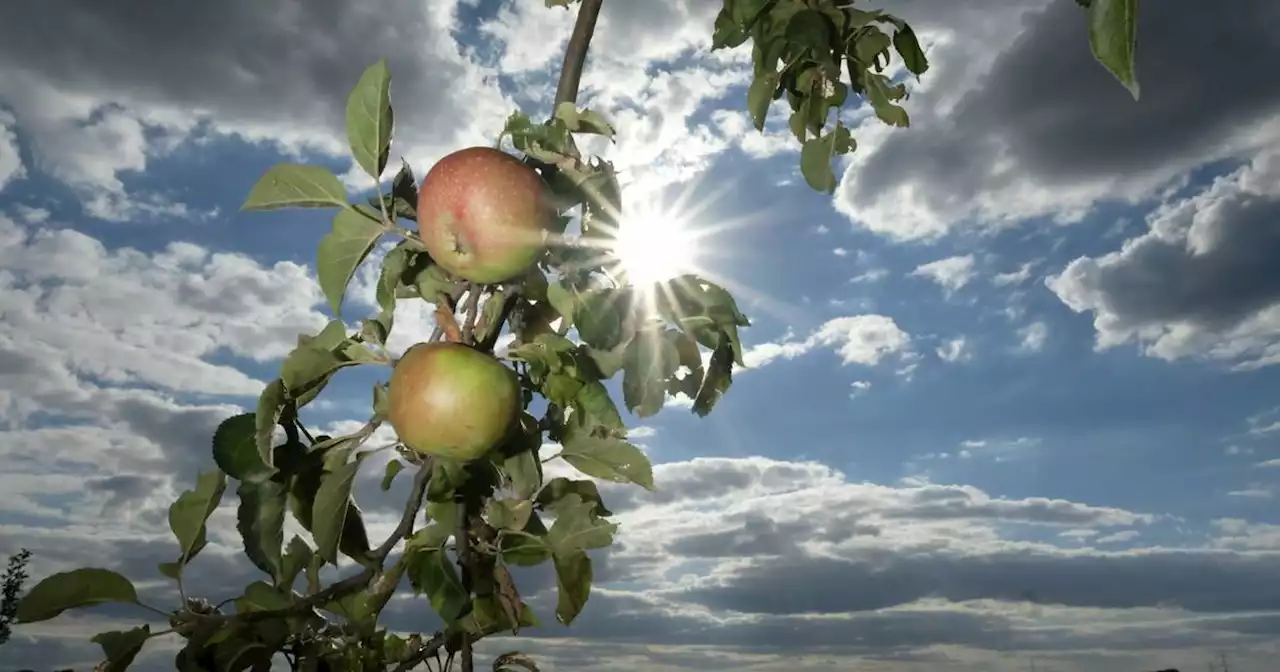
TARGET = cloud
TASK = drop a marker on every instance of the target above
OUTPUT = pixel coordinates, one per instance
(955, 350)
(858, 339)
(951, 274)
(1033, 337)
(1018, 124)
(97, 104)
(11, 168)
(1201, 282)
(1013, 277)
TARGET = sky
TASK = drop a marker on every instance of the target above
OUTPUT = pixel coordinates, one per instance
(1012, 394)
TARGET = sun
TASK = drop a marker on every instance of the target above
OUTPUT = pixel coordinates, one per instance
(653, 246)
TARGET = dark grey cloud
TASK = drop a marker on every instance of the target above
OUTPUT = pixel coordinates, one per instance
(100, 89)
(1196, 581)
(1048, 130)
(1201, 282)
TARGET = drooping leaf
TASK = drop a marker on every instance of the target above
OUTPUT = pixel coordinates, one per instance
(187, 515)
(342, 250)
(329, 517)
(293, 185)
(394, 264)
(393, 467)
(270, 405)
(759, 96)
(817, 154)
(908, 47)
(432, 571)
(296, 558)
(1113, 36)
(369, 119)
(488, 617)
(235, 449)
(573, 582)
(68, 590)
(716, 382)
(120, 647)
(260, 521)
(608, 458)
(651, 359)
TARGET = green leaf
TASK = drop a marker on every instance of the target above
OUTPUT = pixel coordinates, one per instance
(651, 360)
(529, 549)
(759, 96)
(573, 581)
(810, 29)
(444, 517)
(508, 514)
(262, 596)
(120, 647)
(369, 119)
(611, 459)
(341, 252)
(188, 514)
(69, 590)
(1113, 36)
(727, 33)
(329, 518)
(393, 467)
(908, 47)
(235, 449)
(718, 378)
(599, 317)
(294, 185)
(816, 155)
(490, 315)
(597, 407)
(525, 471)
(394, 264)
(306, 366)
(870, 43)
(560, 488)
(880, 96)
(260, 521)
(296, 559)
(270, 404)
(583, 121)
(432, 572)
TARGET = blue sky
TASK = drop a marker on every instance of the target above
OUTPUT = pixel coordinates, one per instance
(1012, 391)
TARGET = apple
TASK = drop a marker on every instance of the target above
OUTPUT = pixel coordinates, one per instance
(483, 215)
(452, 401)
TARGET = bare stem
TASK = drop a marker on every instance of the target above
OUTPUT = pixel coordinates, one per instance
(575, 56)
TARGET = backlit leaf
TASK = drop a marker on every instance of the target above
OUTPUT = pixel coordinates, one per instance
(369, 119)
(293, 185)
(342, 250)
(68, 590)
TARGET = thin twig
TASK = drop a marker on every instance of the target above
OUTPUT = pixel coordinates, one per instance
(473, 307)
(411, 509)
(466, 564)
(431, 647)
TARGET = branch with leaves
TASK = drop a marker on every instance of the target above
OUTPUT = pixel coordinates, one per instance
(485, 515)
